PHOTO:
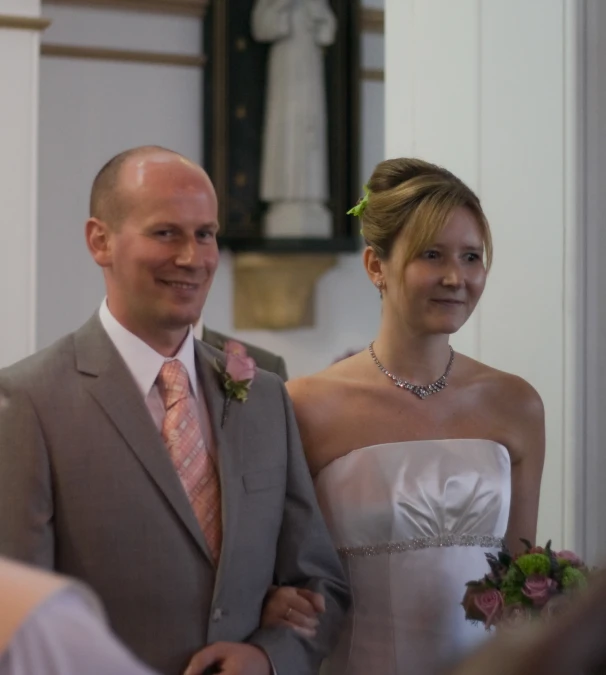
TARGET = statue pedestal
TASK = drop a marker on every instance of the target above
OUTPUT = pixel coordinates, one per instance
(276, 292)
(297, 219)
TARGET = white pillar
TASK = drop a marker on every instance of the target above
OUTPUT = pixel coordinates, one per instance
(20, 27)
(488, 88)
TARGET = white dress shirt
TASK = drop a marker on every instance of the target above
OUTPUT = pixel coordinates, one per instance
(65, 635)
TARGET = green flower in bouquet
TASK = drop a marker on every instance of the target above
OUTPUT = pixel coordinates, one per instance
(511, 586)
(573, 578)
(534, 563)
(514, 596)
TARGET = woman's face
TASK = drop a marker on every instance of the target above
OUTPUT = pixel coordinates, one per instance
(438, 290)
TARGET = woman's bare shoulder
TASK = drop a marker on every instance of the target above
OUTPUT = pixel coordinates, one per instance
(320, 403)
(514, 402)
(322, 385)
(510, 390)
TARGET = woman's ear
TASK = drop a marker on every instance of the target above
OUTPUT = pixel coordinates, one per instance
(374, 267)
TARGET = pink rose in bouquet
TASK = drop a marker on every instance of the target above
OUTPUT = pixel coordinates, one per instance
(570, 557)
(490, 604)
(539, 589)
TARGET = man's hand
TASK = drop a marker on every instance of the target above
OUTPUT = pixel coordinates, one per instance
(230, 658)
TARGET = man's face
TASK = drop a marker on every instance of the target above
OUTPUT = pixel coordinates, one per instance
(161, 258)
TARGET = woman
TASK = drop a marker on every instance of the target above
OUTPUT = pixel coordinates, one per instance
(423, 459)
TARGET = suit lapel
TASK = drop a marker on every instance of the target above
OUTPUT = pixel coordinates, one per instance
(228, 444)
(114, 389)
(212, 338)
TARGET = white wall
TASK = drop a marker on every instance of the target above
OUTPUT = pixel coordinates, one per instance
(18, 140)
(594, 368)
(494, 100)
(29, 8)
(91, 110)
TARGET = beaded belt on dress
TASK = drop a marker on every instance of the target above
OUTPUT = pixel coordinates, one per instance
(482, 540)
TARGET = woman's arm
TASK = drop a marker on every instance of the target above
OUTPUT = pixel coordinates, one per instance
(526, 444)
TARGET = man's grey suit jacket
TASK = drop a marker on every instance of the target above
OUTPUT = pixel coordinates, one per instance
(87, 488)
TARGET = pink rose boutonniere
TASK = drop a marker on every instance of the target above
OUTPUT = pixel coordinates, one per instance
(237, 374)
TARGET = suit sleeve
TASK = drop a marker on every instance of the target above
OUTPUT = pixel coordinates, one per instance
(26, 501)
(305, 558)
(280, 368)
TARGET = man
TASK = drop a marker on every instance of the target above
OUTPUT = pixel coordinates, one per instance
(125, 463)
(52, 626)
(264, 359)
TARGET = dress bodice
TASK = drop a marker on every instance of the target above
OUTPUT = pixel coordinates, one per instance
(412, 521)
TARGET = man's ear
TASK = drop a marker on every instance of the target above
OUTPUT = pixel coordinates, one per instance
(98, 240)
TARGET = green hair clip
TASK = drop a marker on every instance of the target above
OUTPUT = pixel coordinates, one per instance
(359, 208)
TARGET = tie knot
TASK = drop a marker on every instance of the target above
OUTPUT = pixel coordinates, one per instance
(173, 382)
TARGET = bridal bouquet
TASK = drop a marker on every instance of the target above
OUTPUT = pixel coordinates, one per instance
(536, 583)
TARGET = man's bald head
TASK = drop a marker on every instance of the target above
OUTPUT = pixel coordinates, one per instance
(153, 230)
(109, 199)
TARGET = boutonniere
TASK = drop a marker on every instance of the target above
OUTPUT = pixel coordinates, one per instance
(237, 374)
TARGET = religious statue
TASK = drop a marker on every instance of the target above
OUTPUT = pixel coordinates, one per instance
(294, 163)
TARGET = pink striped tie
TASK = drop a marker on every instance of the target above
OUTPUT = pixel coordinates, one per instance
(194, 465)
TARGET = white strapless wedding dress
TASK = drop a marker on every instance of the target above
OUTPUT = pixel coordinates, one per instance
(412, 522)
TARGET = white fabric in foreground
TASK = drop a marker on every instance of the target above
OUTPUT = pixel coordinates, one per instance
(64, 636)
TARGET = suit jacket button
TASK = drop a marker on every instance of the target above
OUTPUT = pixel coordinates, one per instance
(217, 614)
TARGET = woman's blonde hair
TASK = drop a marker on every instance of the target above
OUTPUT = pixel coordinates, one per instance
(417, 197)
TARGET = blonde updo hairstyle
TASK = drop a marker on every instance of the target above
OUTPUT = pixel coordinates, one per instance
(418, 198)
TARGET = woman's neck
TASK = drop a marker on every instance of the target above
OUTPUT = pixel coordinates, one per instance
(420, 359)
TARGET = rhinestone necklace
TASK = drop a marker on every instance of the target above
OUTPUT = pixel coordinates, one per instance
(422, 391)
